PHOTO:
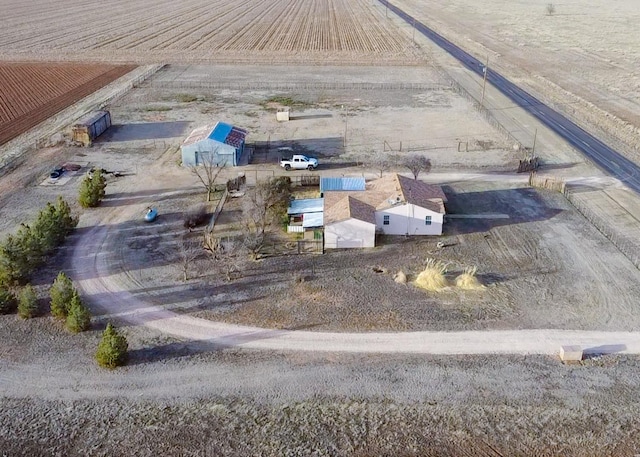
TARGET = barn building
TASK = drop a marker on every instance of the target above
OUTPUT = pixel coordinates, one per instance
(222, 145)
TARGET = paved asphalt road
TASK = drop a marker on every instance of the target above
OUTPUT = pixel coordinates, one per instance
(595, 150)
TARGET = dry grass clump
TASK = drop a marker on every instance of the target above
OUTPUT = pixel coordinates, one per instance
(433, 276)
(468, 280)
(400, 277)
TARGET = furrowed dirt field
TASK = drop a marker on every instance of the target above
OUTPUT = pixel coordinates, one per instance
(191, 31)
(31, 93)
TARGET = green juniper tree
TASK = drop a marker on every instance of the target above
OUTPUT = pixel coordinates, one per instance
(92, 190)
(78, 317)
(61, 294)
(112, 350)
(27, 302)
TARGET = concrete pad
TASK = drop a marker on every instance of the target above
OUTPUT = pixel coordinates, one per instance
(570, 353)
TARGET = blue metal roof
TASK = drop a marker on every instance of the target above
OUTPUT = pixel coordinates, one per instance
(310, 220)
(344, 184)
(306, 205)
(220, 132)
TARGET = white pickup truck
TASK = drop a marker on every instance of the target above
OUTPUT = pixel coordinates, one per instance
(299, 162)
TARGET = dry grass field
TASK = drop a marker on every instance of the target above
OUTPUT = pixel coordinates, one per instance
(582, 59)
(239, 31)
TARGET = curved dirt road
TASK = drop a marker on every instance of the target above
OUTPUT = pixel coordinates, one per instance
(106, 284)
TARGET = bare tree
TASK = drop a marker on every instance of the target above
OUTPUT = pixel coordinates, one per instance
(208, 171)
(189, 250)
(266, 203)
(228, 256)
(417, 163)
(382, 161)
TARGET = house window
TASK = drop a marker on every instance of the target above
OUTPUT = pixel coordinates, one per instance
(385, 219)
(427, 220)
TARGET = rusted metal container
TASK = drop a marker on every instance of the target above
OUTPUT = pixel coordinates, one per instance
(90, 127)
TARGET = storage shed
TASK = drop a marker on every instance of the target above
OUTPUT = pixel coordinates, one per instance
(345, 184)
(222, 145)
(305, 214)
(91, 127)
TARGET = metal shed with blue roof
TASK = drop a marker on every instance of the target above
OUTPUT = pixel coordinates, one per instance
(342, 184)
(222, 145)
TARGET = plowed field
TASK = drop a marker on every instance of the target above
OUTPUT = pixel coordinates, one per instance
(31, 93)
(197, 30)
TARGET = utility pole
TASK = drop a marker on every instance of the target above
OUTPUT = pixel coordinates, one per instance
(413, 36)
(346, 119)
(533, 149)
(485, 70)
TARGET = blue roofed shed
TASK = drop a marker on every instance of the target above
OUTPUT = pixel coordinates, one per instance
(342, 184)
(222, 145)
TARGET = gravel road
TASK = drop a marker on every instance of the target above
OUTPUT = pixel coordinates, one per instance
(106, 283)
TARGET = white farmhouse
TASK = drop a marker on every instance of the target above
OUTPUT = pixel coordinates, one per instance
(393, 205)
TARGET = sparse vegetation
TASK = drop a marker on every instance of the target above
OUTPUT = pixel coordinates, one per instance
(195, 216)
(112, 349)
(550, 9)
(433, 277)
(8, 302)
(27, 302)
(271, 103)
(186, 98)
(92, 189)
(157, 108)
(468, 279)
(189, 250)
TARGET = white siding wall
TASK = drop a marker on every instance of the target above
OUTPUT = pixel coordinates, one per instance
(409, 220)
(352, 233)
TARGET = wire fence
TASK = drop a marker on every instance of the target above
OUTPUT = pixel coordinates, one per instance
(294, 86)
(582, 202)
(627, 245)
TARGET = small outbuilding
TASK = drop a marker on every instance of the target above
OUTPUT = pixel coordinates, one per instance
(222, 145)
(342, 184)
(305, 215)
(91, 127)
(349, 223)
